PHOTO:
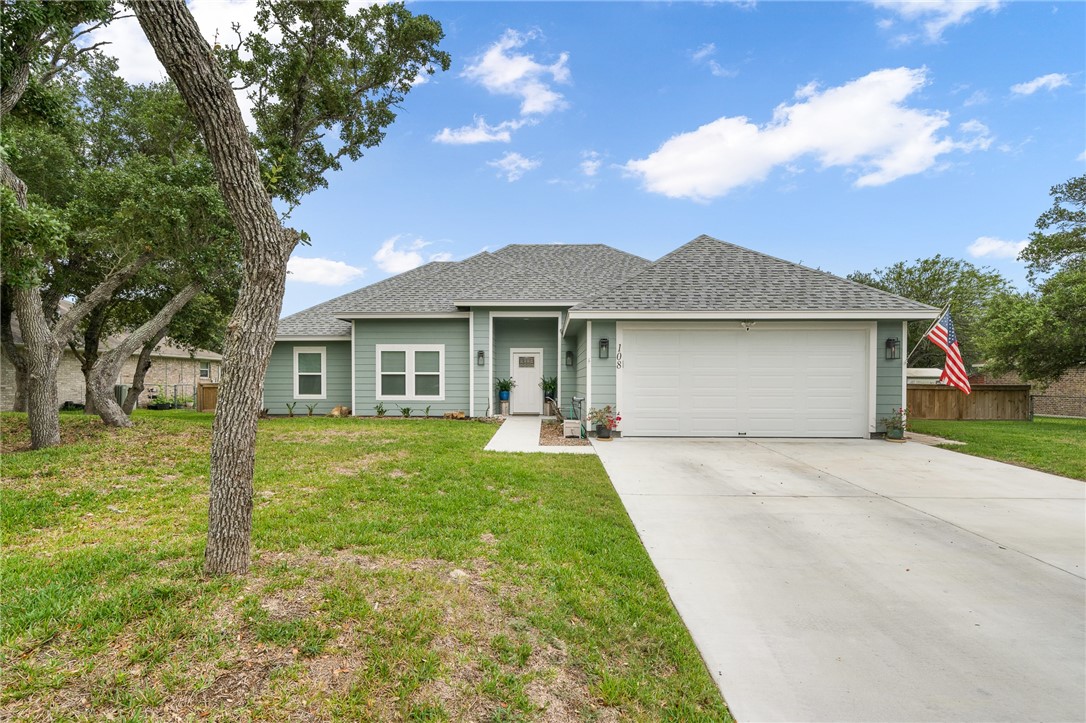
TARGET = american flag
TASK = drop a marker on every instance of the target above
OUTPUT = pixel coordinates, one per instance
(942, 335)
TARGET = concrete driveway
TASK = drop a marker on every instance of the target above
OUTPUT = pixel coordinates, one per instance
(867, 581)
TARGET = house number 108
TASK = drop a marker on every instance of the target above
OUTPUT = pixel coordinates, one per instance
(618, 357)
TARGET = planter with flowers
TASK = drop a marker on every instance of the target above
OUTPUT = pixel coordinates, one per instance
(604, 420)
(895, 424)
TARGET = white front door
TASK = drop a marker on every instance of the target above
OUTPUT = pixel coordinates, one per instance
(527, 372)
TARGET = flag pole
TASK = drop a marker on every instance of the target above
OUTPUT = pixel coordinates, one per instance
(924, 336)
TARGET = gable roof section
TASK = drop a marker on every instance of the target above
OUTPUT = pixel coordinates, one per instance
(320, 320)
(517, 273)
(708, 275)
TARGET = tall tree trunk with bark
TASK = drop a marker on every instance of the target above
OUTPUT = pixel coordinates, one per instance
(266, 247)
(88, 355)
(143, 364)
(12, 351)
(104, 373)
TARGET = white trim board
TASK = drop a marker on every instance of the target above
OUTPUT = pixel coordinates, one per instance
(379, 317)
(471, 365)
(354, 373)
(309, 338)
(844, 315)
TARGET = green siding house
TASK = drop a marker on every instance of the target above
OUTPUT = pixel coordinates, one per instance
(711, 340)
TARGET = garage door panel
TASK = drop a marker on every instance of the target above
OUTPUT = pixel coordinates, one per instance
(769, 383)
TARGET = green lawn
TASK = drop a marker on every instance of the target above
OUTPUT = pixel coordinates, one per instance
(1050, 444)
(400, 573)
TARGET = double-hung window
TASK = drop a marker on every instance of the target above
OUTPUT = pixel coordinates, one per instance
(411, 372)
(309, 372)
(205, 370)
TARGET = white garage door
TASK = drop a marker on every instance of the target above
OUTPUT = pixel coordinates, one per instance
(725, 382)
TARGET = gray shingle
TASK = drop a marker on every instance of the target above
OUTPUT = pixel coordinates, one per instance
(711, 275)
(536, 272)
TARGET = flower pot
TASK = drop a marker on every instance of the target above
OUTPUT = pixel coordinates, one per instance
(895, 434)
(503, 395)
(602, 432)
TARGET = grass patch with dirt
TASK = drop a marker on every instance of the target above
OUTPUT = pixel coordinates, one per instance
(1049, 444)
(399, 573)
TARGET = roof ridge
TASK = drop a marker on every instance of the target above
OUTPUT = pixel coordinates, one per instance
(835, 277)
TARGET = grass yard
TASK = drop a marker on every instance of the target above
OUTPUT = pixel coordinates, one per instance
(399, 573)
(1050, 444)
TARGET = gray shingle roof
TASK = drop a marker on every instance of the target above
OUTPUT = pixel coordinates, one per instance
(711, 275)
(535, 272)
(320, 320)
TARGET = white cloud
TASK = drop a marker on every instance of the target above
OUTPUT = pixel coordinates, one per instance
(321, 271)
(480, 132)
(933, 16)
(863, 125)
(996, 248)
(590, 165)
(393, 260)
(704, 56)
(977, 97)
(513, 166)
(504, 72)
(705, 51)
(1043, 82)
(1081, 156)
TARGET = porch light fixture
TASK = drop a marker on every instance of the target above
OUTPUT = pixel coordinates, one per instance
(893, 348)
(480, 358)
(569, 358)
(604, 347)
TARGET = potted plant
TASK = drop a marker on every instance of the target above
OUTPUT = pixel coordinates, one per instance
(549, 385)
(896, 423)
(604, 420)
(504, 387)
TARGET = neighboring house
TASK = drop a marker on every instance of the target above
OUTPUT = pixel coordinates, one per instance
(711, 340)
(1065, 397)
(171, 367)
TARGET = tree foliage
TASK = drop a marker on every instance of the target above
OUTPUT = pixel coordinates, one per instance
(1042, 334)
(937, 280)
(331, 71)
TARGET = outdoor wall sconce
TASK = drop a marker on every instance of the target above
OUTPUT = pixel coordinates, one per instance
(569, 358)
(480, 358)
(604, 347)
(893, 348)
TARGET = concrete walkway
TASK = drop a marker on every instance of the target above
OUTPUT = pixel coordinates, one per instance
(520, 433)
(850, 580)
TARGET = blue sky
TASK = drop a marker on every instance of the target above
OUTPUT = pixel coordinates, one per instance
(846, 136)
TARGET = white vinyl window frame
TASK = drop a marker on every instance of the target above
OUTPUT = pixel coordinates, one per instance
(205, 370)
(323, 351)
(409, 372)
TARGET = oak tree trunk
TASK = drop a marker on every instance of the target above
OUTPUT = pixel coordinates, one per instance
(266, 247)
(12, 351)
(105, 370)
(88, 355)
(143, 364)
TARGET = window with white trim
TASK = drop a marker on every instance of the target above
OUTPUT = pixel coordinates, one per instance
(411, 372)
(205, 370)
(309, 372)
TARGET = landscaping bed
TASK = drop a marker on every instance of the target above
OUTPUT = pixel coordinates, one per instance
(1049, 444)
(551, 435)
(399, 573)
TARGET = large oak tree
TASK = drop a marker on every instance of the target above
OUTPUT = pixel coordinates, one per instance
(333, 71)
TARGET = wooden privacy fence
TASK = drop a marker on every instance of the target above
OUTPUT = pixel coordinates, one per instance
(988, 401)
(207, 395)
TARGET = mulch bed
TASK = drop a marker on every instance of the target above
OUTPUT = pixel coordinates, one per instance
(550, 435)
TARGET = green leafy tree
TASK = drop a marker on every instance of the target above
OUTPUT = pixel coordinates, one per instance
(969, 289)
(1042, 334)
(332, 70)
